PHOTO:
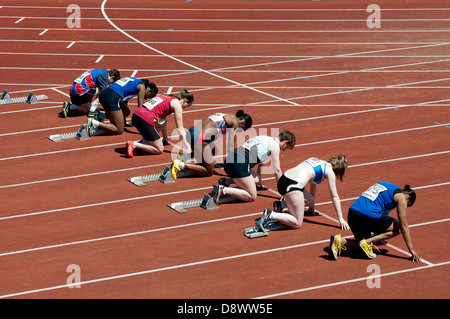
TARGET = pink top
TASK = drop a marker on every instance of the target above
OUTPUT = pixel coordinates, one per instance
(155, 109)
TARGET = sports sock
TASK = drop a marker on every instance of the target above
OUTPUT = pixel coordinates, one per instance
(93, 107)
(95, 123)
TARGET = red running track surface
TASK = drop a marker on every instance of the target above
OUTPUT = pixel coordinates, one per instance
(378, 95)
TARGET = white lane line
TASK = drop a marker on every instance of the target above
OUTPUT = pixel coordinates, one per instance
(162, 164)
(333, 284)
(58, 210)
(241, 9)
(99, 58)
(209, 261)
(190, 31)
(61, 92)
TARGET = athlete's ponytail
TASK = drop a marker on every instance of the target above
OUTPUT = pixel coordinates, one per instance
(152, 86)
(339, 164)
(412, 194)
(247, 118)
(185, 94)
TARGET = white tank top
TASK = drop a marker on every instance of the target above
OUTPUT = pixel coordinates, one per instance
(310, 170)
(262, 144)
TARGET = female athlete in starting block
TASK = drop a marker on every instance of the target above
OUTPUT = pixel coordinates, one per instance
(370, 214)
(292, 187)
(238, 165)
(114, 100)
(150, 117)
(202, 137)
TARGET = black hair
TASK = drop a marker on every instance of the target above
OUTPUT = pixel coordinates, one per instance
(412, 194)
(152, 86)
(247, 118)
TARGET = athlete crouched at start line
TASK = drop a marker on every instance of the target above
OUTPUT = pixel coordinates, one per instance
(85, 91)
(202, 139)
(150, 118)
(369, 214)
(238, 165)
(114, 100)
(291, 186)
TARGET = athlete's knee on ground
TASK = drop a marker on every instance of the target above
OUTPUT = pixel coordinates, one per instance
(210, 170)
(252, 197)
(297, 224)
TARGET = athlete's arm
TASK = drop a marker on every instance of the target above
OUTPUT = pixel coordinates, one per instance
(178, 114)
(402, 204)
(141, 94)
(331, 178)
(275, 156)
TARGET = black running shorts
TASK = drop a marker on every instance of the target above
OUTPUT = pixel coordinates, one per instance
(78, 99)
(363, 226)
(110, 100)
(148, 131)
(236, 166)
(286, 185)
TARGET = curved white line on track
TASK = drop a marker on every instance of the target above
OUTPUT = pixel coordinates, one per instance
(186, 63)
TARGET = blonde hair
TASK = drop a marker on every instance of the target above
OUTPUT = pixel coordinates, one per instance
(339, 164)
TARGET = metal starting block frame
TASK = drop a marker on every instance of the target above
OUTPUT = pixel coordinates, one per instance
(81, 135)
(255, 232)
(259, 231)
(30, 99)
(164, 177)
(206, 202)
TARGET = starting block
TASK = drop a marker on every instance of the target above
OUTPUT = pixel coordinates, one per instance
(81, 134)
(30, 99)
(164, 177)
(270, 225)
(262, 231)
(206, 202)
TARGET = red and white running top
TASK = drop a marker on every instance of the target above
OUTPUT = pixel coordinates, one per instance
(219, 121)
(155, 109)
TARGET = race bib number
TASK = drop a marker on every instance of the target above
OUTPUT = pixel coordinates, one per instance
(82, 77)
(124, 81)
(250, 143)
(373, 192)
(314, 161)
(153, 102)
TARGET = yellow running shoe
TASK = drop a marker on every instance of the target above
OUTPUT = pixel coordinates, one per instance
(335, 247)
(175, 168)
(367, 248)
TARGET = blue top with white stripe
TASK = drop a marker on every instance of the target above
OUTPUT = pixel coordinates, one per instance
(127, 87)
(319, 167)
